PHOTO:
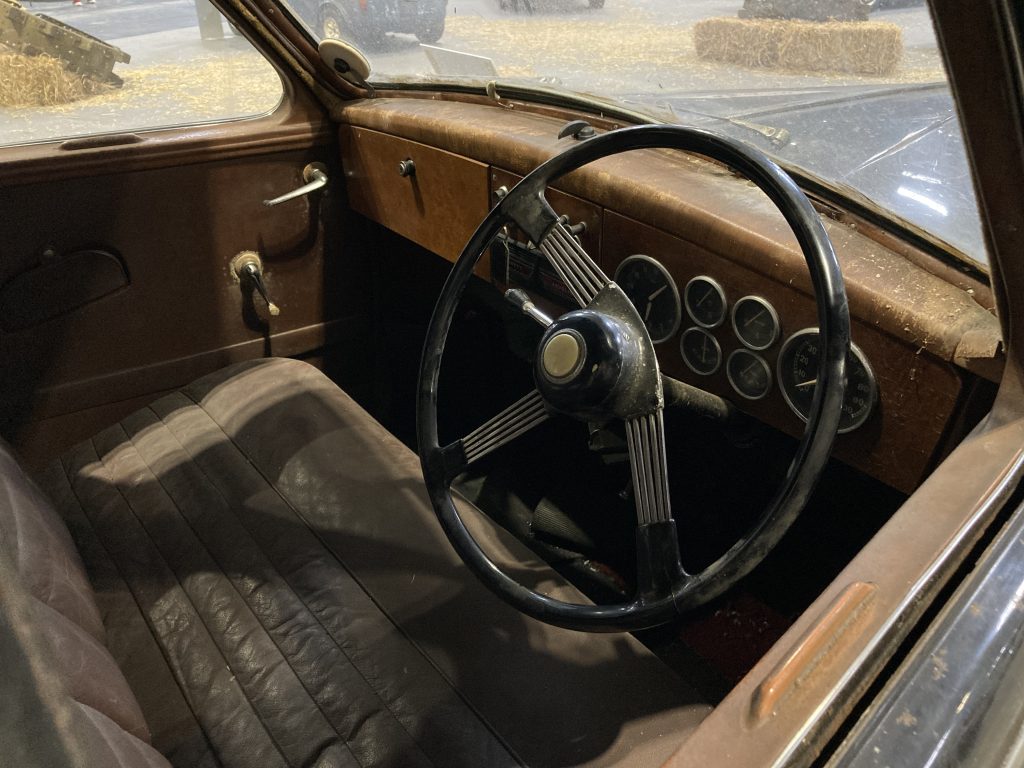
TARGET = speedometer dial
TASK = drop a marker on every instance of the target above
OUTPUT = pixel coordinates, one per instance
(798, 377)
(654, 294)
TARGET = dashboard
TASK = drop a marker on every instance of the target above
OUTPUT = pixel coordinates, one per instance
(707, 260)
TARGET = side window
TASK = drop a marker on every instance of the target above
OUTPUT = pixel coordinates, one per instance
(81, 67)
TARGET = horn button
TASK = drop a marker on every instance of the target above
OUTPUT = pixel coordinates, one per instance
(563, 356)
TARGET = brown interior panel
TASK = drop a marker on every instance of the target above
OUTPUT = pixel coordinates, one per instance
(58, 285)
(183, 313)
(437, 206)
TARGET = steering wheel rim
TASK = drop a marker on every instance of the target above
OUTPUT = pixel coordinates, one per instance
(669, 590)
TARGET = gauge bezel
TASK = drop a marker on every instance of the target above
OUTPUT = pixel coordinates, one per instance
(721, 292)
(776, 324)
(671, 284)
(857, 352)
(767, 368)
(686, 360)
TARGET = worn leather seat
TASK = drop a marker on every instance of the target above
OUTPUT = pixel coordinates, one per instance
(275, 588)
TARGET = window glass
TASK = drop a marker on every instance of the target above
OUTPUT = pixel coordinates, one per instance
(852, 92)
(124, 65)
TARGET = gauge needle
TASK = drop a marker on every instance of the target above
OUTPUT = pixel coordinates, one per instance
(753, 318)
(748, 369)
(704, 349)
(647, 312)
(657, 293)
(707, 296)
(808, 383)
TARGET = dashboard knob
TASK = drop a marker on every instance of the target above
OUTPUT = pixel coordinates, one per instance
(406, 168)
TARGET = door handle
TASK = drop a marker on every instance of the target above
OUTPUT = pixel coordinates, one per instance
(315, 176)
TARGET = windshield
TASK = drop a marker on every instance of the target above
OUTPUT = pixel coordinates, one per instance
(850, 92)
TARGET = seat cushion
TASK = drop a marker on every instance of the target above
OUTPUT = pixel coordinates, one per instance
(42, 722)
(48, 610)
(43, 554)
(278, 592)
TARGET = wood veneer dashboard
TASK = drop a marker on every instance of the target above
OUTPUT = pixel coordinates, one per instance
(696, 218)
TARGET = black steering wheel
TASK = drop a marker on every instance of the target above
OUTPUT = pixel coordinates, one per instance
(598, 363)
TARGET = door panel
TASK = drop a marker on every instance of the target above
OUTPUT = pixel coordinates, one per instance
(174, 209)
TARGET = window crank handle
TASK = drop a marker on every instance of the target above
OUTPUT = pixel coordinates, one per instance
(247, 267)
(255, 274)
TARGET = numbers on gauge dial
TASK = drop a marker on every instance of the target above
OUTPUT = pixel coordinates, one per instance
(701, 351)
(705, 301)
(798, 378)
(654, 294)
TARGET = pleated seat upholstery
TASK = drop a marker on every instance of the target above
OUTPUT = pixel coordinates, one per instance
(275, 588)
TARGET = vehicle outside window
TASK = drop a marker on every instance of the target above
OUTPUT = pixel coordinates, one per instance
(128, 65)
(365, 22)
(850, 94)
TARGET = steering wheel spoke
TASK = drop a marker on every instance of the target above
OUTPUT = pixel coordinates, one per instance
(573, 264)
(645, 437)
(520, 417)
(658, 566)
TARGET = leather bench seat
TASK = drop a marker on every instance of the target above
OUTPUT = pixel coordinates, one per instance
(271, 580)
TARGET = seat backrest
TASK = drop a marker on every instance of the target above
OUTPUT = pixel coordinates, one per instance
(49, 611)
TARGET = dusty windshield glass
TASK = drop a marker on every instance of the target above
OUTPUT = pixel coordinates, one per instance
(851, 92)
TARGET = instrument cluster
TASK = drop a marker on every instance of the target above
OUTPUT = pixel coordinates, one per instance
(755, 329)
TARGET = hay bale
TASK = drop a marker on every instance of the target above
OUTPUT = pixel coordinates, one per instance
(861, 47)
(41, 81)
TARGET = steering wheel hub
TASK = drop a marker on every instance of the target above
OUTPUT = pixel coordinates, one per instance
(563, 356)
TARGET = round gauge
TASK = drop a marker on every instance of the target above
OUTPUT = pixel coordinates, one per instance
(755, 322)
(705, 301)
(700, 351)
(749, 374)
(798, 377)
(654, 294)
